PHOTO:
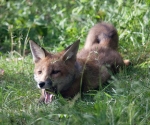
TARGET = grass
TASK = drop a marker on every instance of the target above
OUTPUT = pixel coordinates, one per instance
(125, 101)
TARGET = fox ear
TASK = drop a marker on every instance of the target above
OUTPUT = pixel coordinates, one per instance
(71, 51)
(37, 52)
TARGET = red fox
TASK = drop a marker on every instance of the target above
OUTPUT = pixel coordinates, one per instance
(69, 72)
(102, 36)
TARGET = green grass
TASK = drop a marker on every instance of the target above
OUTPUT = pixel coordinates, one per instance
(126, 101)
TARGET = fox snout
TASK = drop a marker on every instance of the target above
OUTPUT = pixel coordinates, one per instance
(41, 84)
(45, 84)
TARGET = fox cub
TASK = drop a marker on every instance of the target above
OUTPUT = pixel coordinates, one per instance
(69, 72)
(102, 35)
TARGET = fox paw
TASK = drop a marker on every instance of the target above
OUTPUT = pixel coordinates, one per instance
(127, 62)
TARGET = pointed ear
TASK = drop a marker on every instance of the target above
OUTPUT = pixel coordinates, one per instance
(37, 52)
(71, 52)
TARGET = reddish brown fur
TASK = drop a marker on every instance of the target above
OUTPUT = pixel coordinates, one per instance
(69, 72)
(93, 75)
(102, 35)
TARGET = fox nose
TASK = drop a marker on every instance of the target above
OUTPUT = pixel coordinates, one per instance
(41, 84)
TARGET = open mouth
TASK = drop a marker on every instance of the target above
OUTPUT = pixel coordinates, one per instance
(49, 96)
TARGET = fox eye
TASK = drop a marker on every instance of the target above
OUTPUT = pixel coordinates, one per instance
(98, 40)
(39, 72)
(55, 71)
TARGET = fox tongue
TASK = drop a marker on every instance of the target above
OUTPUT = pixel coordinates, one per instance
(48, 97)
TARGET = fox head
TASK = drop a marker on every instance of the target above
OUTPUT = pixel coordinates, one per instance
(54, 72)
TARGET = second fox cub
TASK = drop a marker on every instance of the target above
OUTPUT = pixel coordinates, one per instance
(102, 35)
(69, 72)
